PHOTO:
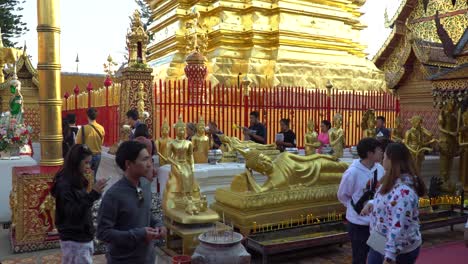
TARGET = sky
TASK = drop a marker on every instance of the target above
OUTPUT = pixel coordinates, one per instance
(94, 29)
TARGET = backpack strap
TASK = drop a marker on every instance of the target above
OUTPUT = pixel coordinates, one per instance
(83, 134)
(97, 131)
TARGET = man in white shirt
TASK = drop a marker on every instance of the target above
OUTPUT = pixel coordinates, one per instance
(357, 186)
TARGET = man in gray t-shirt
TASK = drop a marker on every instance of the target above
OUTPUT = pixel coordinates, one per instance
(125, 222)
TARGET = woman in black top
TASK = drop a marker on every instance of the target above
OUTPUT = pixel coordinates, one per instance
(73, 206)
(289, 138)
(68, 138)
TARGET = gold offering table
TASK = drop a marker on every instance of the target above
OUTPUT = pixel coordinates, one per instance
(182, 239)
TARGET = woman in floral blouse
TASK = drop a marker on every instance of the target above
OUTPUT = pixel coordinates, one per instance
(394, 221)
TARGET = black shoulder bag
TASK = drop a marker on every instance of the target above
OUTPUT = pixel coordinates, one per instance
(368, 195)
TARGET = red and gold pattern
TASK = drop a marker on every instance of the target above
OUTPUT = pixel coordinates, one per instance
(33, 209)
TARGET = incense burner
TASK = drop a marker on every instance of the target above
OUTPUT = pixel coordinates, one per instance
(220, 247)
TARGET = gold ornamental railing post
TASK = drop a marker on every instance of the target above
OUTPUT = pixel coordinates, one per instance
(48, 67)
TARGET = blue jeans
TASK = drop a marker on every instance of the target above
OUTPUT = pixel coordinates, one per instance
(358, 235)
(95, 160)
(375, 257)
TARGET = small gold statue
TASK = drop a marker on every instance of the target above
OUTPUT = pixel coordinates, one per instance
(337, 140)
(368, 124)
(290, 169)
(447, 122)
(141, 97)
(417, 138)
(311, 139)
(163, 141)
(397, 133)
(182, 201)
(463, 141)
(231, 144)
(201, 143)
(48, 206)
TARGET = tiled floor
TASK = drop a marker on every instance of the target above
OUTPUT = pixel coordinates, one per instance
(330, 254)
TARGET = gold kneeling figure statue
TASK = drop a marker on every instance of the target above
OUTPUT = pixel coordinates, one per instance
(288, 170)
(182, 201)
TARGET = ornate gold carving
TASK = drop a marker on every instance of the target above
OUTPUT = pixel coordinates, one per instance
(31, 221)
(422, 22)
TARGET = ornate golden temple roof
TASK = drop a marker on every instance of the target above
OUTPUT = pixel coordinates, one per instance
(426, 31)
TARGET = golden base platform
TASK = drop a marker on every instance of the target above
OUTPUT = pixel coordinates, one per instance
(248, 210)
(182, 239)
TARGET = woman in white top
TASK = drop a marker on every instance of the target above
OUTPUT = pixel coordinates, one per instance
(394, 218)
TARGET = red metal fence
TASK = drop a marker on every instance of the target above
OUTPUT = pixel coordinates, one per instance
(228, 105)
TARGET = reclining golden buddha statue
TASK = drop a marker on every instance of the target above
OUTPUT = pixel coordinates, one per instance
(232, 144)
(295, 185)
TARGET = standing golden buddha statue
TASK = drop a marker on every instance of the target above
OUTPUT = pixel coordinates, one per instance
(337, 140)
(311, 139)
(417, 138)
(397, 132)
(368, 124)
(182, 201)
(447, 122)
(201, 143)
(163, 141)
(463, 143)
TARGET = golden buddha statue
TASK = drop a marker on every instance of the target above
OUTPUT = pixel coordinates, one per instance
(417, 138)
(337, 140)
(295, 185)
(141, 97)
(397, 132)
(368, 124)
(163, 141)
(231, 144)
(447, 123)
(201, 143)
(463, 143)
(311, 139)
(182, 201)
(290, 169)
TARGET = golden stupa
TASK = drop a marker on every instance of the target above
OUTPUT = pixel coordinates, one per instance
(300, 43)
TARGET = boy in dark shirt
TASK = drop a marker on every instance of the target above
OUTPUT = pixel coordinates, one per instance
(256, 131)
(125, 221)
(381, 131)
(289, 138)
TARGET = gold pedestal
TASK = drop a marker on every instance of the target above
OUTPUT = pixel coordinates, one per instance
(182, 239)
(278, 207)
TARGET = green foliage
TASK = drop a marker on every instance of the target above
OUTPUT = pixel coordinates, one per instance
(11, 22)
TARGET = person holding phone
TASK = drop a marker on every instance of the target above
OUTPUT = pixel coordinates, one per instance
(256, 131)
(125, 221)
(73, 218)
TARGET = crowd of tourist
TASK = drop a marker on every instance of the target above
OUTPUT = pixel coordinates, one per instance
(380, 191)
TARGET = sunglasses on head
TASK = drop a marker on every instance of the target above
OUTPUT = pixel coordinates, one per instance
(139, 192)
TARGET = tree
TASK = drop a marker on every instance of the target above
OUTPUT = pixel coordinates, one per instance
(10, 21)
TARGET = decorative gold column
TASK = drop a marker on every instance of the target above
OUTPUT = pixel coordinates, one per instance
(48, 67)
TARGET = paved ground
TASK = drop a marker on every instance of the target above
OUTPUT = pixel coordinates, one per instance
(325, 255)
